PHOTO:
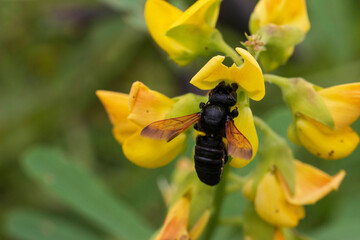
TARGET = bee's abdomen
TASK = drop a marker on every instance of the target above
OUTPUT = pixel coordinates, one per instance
(209, 159)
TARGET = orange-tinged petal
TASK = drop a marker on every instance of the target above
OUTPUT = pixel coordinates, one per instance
(248, 76)
(116, 106)
(343, 102)
(278, 235)
(175, 225)
(159, 16)
(199, 226)
(324, 142)
(147, 106)
(311, 184)
(245, 124)
(150, 153)
(202, 12)
(281, 12)
(272, 205)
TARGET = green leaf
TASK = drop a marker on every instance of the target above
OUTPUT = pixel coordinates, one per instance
(83, 192)
(32, 225)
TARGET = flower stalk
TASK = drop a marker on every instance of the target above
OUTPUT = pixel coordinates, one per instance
(219, 196)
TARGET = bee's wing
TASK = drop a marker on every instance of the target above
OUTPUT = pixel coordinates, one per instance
(168, 129)
(238, 145)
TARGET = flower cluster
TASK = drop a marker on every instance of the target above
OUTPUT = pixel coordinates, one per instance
(280, 185)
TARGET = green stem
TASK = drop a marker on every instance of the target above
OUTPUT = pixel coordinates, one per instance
(219, 197)
(280, 81)
(229, 51)
(233, 221)
(263, 126)
(237, 183)
(269, 134)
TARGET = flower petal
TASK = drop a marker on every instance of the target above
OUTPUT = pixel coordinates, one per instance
(150, 153)
(211, 74)
(324, 142)
(292, 135)
(202, 12)
(199, 225)
(159, 16)
(175, 225)
(280, 12)
(272, 205)
(245, 124)
(343, 102)
(248, 76)
(116, 106)
(248, 189)
(311, 184)
(147, 106)
(278, 235)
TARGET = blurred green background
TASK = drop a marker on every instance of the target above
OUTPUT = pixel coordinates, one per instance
(63, 175)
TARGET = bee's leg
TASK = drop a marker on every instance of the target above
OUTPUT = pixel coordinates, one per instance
(201, 105)
(234, 86)
(198, 127)
(225, 156)
(222, 83)
(234, 113)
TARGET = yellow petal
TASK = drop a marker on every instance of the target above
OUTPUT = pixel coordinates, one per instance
(211, 74)
(292, 135)
(202, 12)
(324, 142)
(248, 76)
(272, 206)
(116, 106)
(245, 124)
(175, 225)
(159, 16)
(311, 184)
(343, 102)
(150, 153)
(147, 106)
(281, 12)
(199, 226)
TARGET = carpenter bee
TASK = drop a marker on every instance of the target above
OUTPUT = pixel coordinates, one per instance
(215, 121)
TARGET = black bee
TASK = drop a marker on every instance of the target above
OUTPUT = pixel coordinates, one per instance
(215, 120)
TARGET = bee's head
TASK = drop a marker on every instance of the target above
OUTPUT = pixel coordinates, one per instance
(224, 94)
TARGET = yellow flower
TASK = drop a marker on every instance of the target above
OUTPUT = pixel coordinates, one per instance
(274, 202)
(282, 24)
(177, 220)
(129, 114)
(248, 76)
(343, 102)
(183, 35)
(280, 12)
